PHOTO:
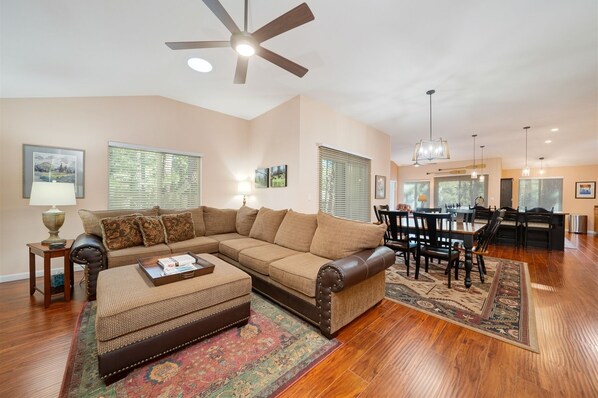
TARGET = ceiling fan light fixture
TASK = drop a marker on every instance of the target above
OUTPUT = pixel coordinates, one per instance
(199, 65)
(244, 44)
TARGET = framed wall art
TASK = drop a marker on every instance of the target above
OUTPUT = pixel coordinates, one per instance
(585, 190)
(261, 177)
(46, 164)
(380, 187)
(278, 176)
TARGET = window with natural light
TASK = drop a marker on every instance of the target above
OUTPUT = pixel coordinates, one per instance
(344, 184)
(461, 190)
(541, 192)
(412, 190)
(140, 177)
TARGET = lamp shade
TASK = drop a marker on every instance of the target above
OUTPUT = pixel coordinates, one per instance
(244, 188)
(422, 197)
(52, 194)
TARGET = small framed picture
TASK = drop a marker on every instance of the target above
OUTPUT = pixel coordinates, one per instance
(380, 187)
(585, 190)
(278, 176)
(261, 177)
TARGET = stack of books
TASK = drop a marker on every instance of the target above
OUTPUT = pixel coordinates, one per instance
(177, 264)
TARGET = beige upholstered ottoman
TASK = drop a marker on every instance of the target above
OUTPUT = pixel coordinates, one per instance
(137, 321)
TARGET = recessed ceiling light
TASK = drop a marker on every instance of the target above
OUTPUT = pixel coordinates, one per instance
(547, 141)
(199, 64)
(554, 129)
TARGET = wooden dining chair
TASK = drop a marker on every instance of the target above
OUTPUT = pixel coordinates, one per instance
(434, 239)
(428, 209)
(397, 235)
(538, 219)
(512, 224)
(377, 209)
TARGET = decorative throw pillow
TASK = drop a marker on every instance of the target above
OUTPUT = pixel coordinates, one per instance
(121, 232)
(337, 238)
(91, 218)
(219, 221)
(266, 224)
(196, 214)
(245, 219)
(296, 231)
(152, 230)
(178, 227)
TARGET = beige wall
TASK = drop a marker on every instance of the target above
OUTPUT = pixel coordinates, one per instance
(394, 176)
(570, 176)
(89, 123)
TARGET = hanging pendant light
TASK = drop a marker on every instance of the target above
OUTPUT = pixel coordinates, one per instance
(431, 149)
(542, 166)
(474, 174)
(482, 176)
(525, 171)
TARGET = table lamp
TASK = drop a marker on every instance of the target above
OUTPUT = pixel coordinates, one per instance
(422, 198)
(244, 188)
(52, 194)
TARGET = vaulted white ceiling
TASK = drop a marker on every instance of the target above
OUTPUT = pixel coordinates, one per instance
(496, 66)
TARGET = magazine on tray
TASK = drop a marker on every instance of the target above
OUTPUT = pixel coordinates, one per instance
(179, 269)
(176, 261)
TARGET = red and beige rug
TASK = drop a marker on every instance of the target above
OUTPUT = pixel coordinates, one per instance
(259, 359)
(501, 307)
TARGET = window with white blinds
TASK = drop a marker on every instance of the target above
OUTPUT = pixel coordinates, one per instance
(541, 192)
(344, 184)
(458, 190)
(412, 190)
(141, 178)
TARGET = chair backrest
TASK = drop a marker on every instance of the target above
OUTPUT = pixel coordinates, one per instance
(511, 214)
(397, 225)
(433, 229)
(538, 215)
(428, 209)
(377, 209)
(490, 231)
(482, 213)
(464, 215)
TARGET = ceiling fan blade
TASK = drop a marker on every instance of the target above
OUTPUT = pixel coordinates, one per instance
(186, 45)
(296, 17)
(241, 71)
(222, 15)
(281, 61)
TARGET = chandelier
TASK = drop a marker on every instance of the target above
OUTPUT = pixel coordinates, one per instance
(431, 149)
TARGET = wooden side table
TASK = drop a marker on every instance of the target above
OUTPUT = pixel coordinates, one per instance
(48, 254)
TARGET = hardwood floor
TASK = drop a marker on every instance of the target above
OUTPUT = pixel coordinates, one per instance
(391, 351)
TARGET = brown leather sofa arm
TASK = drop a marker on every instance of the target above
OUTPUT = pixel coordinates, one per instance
(349, 271)
(90, 251)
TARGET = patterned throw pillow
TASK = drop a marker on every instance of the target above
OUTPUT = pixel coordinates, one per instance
(121, 232)
(152, 230)
(178, 227)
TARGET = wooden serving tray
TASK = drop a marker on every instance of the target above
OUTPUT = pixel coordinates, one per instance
(156, 275)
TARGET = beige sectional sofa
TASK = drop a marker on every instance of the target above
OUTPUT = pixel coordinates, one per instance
(325, 269)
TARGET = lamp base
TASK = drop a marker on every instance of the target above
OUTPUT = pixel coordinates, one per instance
(53, 220)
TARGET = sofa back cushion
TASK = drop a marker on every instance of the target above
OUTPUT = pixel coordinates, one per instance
(178, 227)
(296, 231)
(196, 214)
(91, 218)
(219, 221)
(245, 219)
(121, 232)
(152, 230)
(337, 238)
(266, 224)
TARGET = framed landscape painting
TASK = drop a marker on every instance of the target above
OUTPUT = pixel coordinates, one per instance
(261, 177)
(278, 176)
(380, 187)
(47, 164)
(585, 190)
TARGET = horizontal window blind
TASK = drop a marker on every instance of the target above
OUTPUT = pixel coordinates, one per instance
(139, 178)
(344, 184)
(541, 192)
(462, 190)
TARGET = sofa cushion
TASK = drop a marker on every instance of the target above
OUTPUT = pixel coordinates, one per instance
(259, 258)
(130, 255)
(245, 219)
(266, 224)
(219, 221)
(296, 231)
(121, 232)
(196, 214)
(231, 248)
(91, 218)
(229, 236)
(152, 230)
(298, 272)
(337, 238)
(178, 227)
(199, 244)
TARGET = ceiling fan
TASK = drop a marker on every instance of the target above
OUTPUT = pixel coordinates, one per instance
(447, 172)
(469, 166)
(246, 44)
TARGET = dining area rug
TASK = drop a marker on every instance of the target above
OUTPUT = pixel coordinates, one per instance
(501, 307)
(259, 359)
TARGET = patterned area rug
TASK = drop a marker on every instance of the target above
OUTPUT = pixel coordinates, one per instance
(259, 359)
(501, 307)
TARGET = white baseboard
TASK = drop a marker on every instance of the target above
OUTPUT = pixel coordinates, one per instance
(25, 275)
